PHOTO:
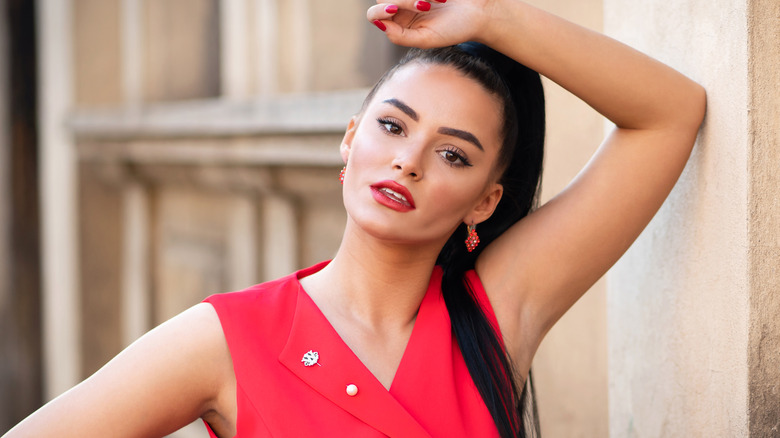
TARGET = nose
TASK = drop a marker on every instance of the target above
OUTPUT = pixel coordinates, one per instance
(409, 161)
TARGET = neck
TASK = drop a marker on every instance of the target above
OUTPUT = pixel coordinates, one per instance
(372, 282)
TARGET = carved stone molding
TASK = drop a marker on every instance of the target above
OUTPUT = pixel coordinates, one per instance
(313, 113)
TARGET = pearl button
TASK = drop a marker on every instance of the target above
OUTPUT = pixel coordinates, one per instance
(352, 390)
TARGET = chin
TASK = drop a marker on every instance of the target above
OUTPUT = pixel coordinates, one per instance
(394, 232)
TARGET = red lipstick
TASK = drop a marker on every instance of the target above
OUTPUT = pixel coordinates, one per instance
(393, 195)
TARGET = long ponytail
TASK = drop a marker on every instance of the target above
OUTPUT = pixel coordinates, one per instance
(520, 165)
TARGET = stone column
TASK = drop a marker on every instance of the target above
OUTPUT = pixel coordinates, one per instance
(58, 199)
(136, 307)
(763, 199)
(242, 243)
(131, 25)
(135, 294)
(693, 305)
(234, 49)
(266, 47)
(294, 46)
(280, 237)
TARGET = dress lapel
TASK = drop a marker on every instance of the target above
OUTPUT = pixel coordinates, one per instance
(337, 367)
(433, 381)
(421, 367)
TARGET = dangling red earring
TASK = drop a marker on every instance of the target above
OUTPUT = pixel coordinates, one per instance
(473, 240)
(341, 174)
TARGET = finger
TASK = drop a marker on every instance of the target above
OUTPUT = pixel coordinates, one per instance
(403, 36)
(413, 1)
(381, 11)
(378, 12)
(393, 19)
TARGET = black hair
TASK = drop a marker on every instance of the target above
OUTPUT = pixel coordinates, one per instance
(519, 165)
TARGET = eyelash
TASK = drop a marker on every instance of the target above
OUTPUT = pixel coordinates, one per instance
(464, 162)
(387, 121)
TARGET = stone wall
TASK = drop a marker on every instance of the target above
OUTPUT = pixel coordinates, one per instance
(764, 218)
(693, 305)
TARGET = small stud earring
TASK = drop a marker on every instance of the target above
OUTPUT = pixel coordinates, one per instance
(473, 240)
(341, 174)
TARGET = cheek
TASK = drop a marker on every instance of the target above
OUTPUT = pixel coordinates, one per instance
(369, 148)
(454, 200)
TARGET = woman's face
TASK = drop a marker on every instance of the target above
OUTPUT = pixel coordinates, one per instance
(420, 158)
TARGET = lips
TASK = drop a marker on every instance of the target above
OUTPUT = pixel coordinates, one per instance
(393, 195)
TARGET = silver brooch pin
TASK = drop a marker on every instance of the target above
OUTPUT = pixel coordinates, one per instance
(310, 358)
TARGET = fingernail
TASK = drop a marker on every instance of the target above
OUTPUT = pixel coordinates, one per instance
(422, 6)
(391, 9)
(380, 25)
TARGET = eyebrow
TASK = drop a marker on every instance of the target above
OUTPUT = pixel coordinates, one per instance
(463, 135)
(403, 107)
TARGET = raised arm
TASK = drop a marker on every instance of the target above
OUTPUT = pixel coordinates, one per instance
(536, 270)
(168, 378)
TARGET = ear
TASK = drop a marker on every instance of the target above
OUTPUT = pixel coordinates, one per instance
(349, 135)
(486, 206)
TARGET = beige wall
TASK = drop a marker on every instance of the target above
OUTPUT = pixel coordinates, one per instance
(693, 305)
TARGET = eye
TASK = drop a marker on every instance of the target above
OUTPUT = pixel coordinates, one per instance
(390, 126)
(454, 157)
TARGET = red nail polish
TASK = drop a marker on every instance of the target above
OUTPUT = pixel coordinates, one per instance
(391, 9)
(422, 6)
(380, 25)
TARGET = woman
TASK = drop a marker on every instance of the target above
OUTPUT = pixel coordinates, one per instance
(449, 140)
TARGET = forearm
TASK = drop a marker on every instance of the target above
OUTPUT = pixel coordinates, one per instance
(631, 89)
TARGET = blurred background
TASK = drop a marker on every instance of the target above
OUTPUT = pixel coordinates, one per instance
(153, 152)
(165, 150)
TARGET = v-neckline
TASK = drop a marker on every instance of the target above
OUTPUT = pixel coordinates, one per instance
(419, 321)
(335, 368)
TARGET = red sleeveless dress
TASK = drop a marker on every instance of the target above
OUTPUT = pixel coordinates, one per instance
(270, 327)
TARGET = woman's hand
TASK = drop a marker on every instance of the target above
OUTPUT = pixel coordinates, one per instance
(427, 24)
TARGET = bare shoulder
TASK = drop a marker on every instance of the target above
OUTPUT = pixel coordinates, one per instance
(174, 374)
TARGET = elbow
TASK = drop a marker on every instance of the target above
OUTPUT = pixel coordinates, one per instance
(700, 105)
(693, 115)
(690, 108)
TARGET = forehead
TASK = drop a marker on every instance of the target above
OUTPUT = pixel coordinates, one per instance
(442, 95)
